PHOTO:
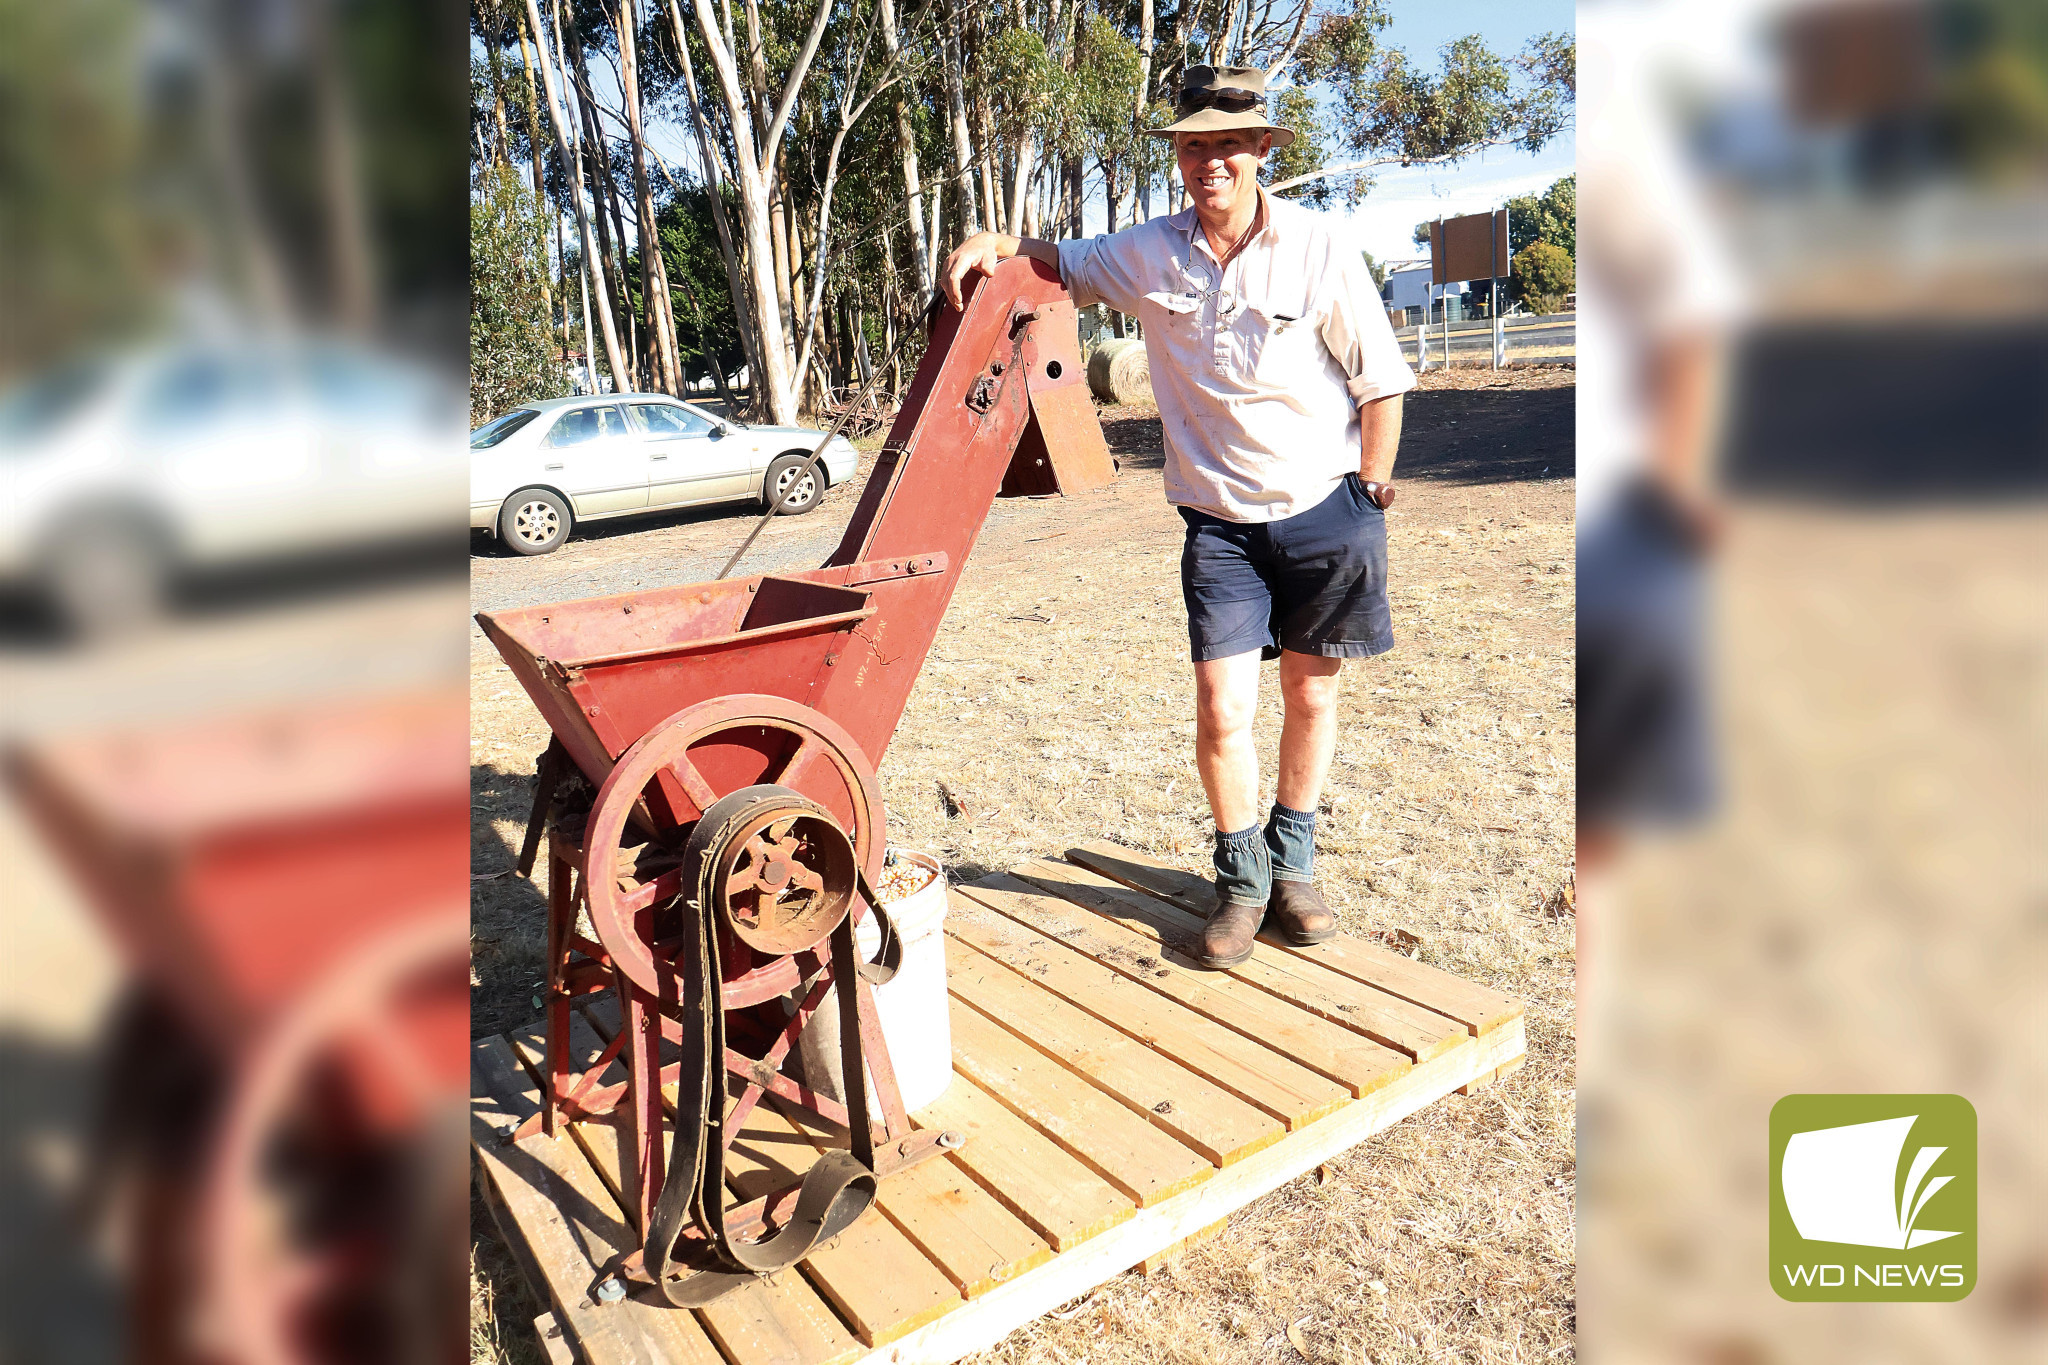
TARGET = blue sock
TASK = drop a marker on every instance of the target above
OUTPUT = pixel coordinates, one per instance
(1291, 841)
(1244, 869)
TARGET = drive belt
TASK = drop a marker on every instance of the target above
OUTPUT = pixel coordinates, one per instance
(835, 1191)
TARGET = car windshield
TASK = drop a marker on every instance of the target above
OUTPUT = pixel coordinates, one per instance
(490, 433)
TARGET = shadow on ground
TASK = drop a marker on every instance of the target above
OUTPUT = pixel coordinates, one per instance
(59, 1303)
(507, 912)
(482, 544)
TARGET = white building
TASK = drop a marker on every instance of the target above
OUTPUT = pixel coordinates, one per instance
(1408, 287)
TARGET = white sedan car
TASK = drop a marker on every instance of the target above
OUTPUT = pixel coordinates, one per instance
(124, 472)
(543, 467)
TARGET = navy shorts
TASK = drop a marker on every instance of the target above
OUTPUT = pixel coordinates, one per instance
(1313, 583)
(1645, 746)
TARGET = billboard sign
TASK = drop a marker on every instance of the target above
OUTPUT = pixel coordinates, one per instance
(1471, 247)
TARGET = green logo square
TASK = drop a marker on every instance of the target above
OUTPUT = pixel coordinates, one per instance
(1873, 1198)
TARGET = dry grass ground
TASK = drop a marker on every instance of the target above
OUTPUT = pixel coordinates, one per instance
(1057, 707)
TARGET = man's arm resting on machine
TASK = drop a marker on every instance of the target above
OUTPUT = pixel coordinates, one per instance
(983, 252)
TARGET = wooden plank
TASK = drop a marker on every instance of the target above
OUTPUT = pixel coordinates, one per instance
(877, 1277)
(570, 1224)
(1159, 1090)
(1054, 910)
(1159, 1260)
(776, 1320)
(1029, 1174)
(1418, 1033)
(960, 1226)
(1477, 1083)
(509, 1235)
(1257, 1074)
(1478, 1008)
(779, 1319)
(981, 1324)
(605, 1139)
(1109, 1139)
(554, 1343)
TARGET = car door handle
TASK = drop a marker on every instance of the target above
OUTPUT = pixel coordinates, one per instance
(658, 457)
(550, 466)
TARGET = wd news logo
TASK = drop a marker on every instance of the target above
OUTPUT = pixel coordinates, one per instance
(1873, 1197)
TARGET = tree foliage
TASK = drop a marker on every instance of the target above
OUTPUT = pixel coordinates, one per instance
(1394, 111)
(512, 359)
(1552, 217)
(1543, 276)
(1056, 100)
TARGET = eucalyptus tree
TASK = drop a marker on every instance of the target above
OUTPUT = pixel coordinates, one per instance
(558, 120)
(1393, 112)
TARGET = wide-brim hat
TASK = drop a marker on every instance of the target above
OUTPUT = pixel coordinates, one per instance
(1214, 98)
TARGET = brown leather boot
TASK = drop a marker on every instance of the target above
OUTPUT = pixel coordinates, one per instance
(1301, 913)
(1227, 938)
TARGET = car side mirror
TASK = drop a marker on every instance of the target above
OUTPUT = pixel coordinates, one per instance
(718, 431)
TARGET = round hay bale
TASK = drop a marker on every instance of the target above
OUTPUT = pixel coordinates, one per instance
(1119, 373)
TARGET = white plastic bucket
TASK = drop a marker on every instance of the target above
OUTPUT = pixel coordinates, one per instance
(916, 1022)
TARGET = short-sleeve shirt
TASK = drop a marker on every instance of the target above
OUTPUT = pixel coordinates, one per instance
(1259, 369)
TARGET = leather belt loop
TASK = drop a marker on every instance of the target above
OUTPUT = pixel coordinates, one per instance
(837, 1189)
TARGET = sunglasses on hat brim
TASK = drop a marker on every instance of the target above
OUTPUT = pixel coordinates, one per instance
(1229, 100)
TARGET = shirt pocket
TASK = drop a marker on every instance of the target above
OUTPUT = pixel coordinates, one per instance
(1178, 315)
(1272, 349)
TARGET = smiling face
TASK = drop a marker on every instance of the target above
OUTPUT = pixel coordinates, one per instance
(1221, 169)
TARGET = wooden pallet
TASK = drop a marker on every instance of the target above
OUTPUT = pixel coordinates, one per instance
(1119, 1102)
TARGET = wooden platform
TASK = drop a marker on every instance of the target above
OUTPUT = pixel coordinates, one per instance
(1118, 1100)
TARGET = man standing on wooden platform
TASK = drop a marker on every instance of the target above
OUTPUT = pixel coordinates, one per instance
(1279, 385)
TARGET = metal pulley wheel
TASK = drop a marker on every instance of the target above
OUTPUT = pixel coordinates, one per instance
(702, 757)
(775, 867)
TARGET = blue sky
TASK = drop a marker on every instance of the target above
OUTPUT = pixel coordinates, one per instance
(1399, 199)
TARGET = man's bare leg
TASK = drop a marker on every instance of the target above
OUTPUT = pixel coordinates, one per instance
(1226, 700)
(1308, 742)
(1308, 735)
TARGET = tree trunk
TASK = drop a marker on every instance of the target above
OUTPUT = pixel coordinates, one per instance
(821, 241)
(1020, 185)
(560, 123)
(653, 275)
(714, 183)
(612, 291)
(607, 186)
(1140, 142)
(540, 179)
(561, 278)
(906, 149)
(891, 301)
(956, 102)
(991, 182)
(589, 351)
(775, 380)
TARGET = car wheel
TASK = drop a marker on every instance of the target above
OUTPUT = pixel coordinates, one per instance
(789, 494)
(534, 522)
(106, 576)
